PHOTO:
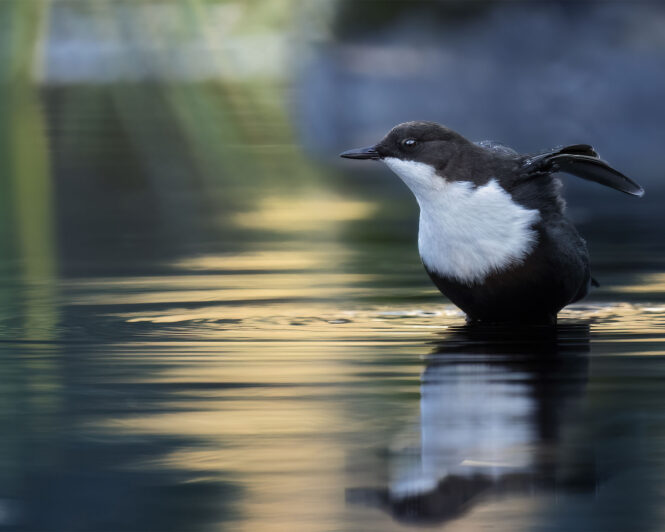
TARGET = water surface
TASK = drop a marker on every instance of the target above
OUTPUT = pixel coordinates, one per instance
(271, 390)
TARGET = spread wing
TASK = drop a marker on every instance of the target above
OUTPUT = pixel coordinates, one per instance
(583, 161)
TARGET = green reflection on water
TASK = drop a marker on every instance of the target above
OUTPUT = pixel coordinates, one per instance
(24, 159)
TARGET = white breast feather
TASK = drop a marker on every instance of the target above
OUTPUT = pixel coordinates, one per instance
(466, 232)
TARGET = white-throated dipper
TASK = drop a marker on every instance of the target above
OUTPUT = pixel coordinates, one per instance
(493, 236)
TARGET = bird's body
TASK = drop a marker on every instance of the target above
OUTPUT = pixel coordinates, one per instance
(493, 236)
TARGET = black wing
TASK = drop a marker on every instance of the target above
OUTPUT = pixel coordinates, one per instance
(583, 161)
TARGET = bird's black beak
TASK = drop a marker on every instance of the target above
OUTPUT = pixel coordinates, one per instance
(361, 153)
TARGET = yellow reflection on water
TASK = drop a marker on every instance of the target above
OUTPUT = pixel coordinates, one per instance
(281, 432)
(277, 260)
(239, 287)
(305, 213)
(634, 322)
(651, 283)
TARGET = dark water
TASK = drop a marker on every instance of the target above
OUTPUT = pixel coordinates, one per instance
(238, 392)
(202, 327)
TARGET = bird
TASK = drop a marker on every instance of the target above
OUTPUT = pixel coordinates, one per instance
(493, 235)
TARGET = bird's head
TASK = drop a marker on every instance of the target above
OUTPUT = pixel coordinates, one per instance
(418, 152)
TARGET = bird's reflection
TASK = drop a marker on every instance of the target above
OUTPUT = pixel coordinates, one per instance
(493, 409)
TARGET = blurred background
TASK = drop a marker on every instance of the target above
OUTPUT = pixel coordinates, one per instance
(135, 131)
(208, 320)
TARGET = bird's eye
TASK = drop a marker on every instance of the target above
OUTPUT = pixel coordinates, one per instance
(409, 143)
